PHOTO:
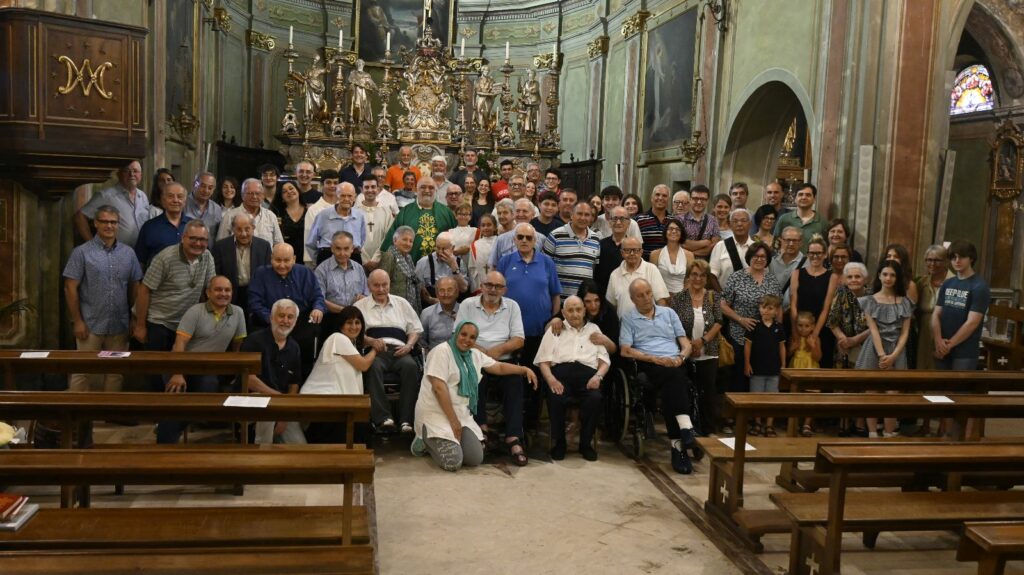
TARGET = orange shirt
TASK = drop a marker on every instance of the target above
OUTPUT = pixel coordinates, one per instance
(394, 176)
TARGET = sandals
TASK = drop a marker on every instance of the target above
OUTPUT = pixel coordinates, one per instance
(755, 429)
(769, 431)
(519, 458)
(806, 431)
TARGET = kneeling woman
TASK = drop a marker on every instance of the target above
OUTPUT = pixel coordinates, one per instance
(448, 398)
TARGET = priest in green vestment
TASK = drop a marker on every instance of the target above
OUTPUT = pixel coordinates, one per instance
(426, 216)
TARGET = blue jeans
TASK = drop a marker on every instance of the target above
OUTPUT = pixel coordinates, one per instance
(170, 431)
(764, 383)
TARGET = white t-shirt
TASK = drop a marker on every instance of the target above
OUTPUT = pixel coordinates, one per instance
(441, 364)
(332, 374)
(698, 331)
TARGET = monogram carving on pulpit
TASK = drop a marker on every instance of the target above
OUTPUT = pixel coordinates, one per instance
(77, 77)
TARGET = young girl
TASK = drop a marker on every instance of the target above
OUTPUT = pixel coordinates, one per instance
(463, 234)
(805, 353)
(888, 313)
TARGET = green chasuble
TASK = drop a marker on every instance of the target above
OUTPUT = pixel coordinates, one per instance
(427, 223)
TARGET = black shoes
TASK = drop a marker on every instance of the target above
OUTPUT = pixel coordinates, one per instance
(681, 462)
(558, 452)
(588, 452)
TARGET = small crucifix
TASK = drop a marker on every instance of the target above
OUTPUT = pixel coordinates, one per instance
(370, 225)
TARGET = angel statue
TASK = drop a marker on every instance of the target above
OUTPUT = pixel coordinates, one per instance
(485, 92)
(313, 88)
(362, 84)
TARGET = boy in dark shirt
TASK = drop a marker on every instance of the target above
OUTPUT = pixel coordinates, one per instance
(764, 354)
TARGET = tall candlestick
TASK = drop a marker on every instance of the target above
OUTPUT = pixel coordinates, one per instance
(291, 35)
(462, 47)
(554, 50)
(387, 47)
(341, 38)
(506, 50)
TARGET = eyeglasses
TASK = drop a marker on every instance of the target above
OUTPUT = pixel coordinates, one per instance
(791, 240)
(680, 202)
(699, 200)
(815, 254)
(523, 237)
(934, 261)
(631, 250)
(618, 219)
(197, 240)
(107, 222)
(493, 286)
(515, 185)
(759, 257)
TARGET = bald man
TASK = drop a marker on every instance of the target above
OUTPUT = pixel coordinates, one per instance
(573, 367)
(282, 279)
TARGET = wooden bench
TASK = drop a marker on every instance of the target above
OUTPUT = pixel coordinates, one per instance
(76, 410)
(818, 520)
(857, 380)
(991, 545)
(725, 496)
(241, 364)
(285, 560)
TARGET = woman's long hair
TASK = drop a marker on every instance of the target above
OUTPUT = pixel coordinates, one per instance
(352, 312)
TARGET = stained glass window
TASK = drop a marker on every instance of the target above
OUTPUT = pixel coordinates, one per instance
(972, 91)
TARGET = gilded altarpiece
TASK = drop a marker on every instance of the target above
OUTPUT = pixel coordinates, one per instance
(1007, 164)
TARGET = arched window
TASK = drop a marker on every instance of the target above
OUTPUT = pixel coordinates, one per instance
(972, 91)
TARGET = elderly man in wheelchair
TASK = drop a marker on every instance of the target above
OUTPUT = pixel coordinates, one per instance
(653, 337)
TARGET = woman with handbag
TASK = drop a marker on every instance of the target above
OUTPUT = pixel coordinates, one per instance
(701, 315)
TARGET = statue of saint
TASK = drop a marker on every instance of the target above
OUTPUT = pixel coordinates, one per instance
(361, 83)
(789, 141)
(529, 103)
(485, 93)
(313, 87)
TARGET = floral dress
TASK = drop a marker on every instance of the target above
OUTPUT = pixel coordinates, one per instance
(846, 315)
(744, 296)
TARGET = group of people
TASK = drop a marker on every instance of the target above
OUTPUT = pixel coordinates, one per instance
(452, 286)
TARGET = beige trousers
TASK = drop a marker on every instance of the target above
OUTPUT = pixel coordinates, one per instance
(99, 381)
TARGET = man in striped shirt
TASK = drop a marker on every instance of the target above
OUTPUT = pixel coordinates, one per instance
(575, 248)
(652, 222)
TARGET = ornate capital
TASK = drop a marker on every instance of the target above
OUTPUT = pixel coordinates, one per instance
(547, 61)
(348, 56)
(260, 41)
(221, 20)
(598, 47)
(635, 24)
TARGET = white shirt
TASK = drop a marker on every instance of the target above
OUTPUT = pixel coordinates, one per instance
(377, 221)
(618, 285)
(462, 236)
(572, 345)
(384, 198)
(332, 374)
(480, 261)
(395, 313)
(266, 226)
(721, 263)
(441, 364)
(311, 213)
(604, 229)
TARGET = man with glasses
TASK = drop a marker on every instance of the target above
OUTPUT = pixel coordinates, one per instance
(501, 334)
(728, 255)
(634, 267)
(610, 255)
(100, 282)
(611, 198)
(574, 248)
(453, 196)
(426, 216)
(701, 227)
(804, 218)
(265, 224)
(237, 257)
(396, 173)
(127, 198)
(341, 219)
(786, 260)
(552, 182)
(533, 174)
(522, 212)
(680, 204)
(517, 191)
(304, 174)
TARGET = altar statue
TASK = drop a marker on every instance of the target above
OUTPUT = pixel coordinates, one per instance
(313, 87)
(529, 103)
(360, 113)
(485, 92)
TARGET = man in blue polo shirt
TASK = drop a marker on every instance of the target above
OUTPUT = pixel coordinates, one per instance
(165, 229)
(654, 337)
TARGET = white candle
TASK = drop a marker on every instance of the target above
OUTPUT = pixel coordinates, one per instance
(554, 50)
(341, 38)
(387, 47)
(462, 47)
(506, 50)
(291, 35)
(807, 175)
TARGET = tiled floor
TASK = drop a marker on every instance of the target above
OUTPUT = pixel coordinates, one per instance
(567, 517)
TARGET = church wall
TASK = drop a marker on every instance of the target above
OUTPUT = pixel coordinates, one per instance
(573, 122)
(613, 98)
(966, 220)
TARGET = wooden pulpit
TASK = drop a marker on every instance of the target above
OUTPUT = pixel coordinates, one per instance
(72, 98)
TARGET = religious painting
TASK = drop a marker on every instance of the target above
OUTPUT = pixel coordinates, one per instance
(1007, 161)
(404, 20)
(182, 18)
(668, 81)
(1006, 164)
(972, 91)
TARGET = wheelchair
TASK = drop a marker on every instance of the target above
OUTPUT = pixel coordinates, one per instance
(628, 409)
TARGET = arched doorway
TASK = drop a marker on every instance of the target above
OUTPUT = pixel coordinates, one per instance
(768, 140)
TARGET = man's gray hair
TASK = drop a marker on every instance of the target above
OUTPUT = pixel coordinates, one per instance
(936, 249)
(788, 228)
(506, 203)
(743, 211)
(108, 209)
(526, 227)
(203, 174)
(443, 236)
(194, 224)
(242, 214)
(284, 302)
(341, 234)
(439, 158)
(252, 180)
(401, 231)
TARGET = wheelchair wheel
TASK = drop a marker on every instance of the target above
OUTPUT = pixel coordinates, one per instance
(638, 443)
(616, 408)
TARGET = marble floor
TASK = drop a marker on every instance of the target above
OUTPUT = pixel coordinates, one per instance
(613, 516)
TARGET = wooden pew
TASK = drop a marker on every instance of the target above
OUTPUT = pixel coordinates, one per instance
(858, 380)
(193, 467)
(819, 519)
(725, 487)
(289, 560)
(139, 362)
(991, 545)
(76, 410)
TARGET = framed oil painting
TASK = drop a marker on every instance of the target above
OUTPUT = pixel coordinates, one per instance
(404, 20)
(668, 81)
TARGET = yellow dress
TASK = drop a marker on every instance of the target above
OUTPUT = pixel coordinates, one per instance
(802, 358)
